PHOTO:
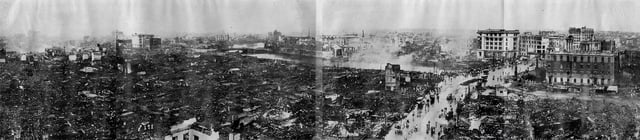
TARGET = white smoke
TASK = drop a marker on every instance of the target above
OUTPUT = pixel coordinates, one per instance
(378, 52)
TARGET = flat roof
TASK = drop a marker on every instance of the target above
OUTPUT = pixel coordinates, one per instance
(498, 31)
(573, 53)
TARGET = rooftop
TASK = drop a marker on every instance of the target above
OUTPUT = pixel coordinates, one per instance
(189, 124)
(394, 67)
(498, 31)
(580, 30)
(583, 53)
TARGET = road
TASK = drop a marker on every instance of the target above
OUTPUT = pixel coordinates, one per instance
(414, 126)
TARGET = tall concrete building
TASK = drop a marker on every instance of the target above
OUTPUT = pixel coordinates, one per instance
(579, 35)
(530, 43)
(392, 76)
(581, 68)
(498, 43)
(582, 34)
(556, 43)
(146, 41)
(583, 60)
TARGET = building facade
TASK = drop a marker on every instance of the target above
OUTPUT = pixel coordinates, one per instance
(530, 43)
(145, 41)
(582, 34)
(556, 43)
(498, 43)
(581, 68)
(392, 76)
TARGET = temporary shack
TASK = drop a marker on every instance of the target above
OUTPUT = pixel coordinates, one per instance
(612, 88)
(73, 57)
(96, 56)
(23, 57)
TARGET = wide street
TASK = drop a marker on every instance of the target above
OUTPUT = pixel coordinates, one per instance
(414, 126)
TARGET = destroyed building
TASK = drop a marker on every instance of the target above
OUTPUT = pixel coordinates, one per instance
(191, 130)
(394, 77)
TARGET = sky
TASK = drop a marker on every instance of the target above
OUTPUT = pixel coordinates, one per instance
(356, 15)
(77, 18)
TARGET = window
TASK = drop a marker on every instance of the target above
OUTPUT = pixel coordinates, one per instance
(185, 136)
(196, 137)
(175, 138)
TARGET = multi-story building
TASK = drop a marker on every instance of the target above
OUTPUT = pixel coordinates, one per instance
(339, 46)
(496, 43)
(3, 55)
(580, 59)
(556, 43)
(542, 43)
(145, 41)
(581, 68)
(155, 43)
(530, 43)
(582, 34)
(274, 36)
(548, 33)
(392, 76)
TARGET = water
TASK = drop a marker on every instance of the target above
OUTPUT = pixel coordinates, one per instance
(273, 57)
(381, 65)
(248, 46)
(357, 65)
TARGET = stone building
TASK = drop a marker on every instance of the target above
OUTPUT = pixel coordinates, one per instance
(498, 43)
(581, 68)
(392, 76)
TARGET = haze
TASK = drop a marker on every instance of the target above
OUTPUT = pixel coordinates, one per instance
(77, 18)
(355, 15)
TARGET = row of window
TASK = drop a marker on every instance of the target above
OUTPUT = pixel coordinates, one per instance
(495, 34)
(493, 43)
(583, 72)
(582, 58)
(495, 48)
(600, 81)
(583, 65)
(494, 39)
(186, 137)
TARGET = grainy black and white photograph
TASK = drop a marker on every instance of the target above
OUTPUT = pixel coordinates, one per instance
(319, 69)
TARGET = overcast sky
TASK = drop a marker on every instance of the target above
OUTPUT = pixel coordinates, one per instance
(355, 15)
(76, 18)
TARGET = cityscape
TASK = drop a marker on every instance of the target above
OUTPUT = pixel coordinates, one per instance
(318, 70)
